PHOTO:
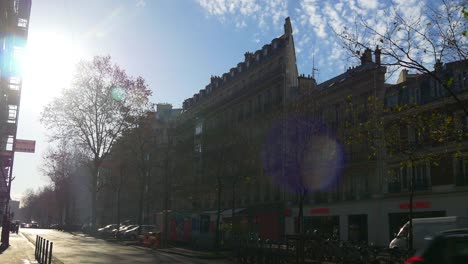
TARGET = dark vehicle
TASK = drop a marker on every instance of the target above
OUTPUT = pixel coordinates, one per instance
(448, 247)
(121, 231)
(132, 233)
(107, 230)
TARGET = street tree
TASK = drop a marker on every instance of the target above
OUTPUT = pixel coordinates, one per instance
(120, 159)
(58, 164)
(405, 133)
(95, 111)
(139, 145)
(40, 206)
(215, 150)
(434, 34)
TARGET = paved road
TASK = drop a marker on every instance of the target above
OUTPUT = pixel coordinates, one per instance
(70, 248)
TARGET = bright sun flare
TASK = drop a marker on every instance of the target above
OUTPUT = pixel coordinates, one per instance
(48, 64)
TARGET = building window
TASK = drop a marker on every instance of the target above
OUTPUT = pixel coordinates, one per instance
(265, 51)
(275, 45)
(257, 57)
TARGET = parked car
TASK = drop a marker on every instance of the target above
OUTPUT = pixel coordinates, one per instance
(448, 247)
(426, 227)
(132, 233)
(107, 230)
(119, 233)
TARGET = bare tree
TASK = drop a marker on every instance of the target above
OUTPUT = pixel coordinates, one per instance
(95, 111)
(58, 164)
(139, 143)
(432, 35)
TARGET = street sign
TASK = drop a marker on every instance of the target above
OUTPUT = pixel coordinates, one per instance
(22, 145)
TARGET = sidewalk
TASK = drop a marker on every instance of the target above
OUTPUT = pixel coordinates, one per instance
(20, 251)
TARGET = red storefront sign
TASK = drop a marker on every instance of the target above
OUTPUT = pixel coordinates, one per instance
(416, 205)
(320, 211)
(287, 212)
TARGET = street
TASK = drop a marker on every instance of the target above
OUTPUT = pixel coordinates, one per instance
(77, 248)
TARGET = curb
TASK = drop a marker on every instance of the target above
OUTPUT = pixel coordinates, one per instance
(193, 256)
(30, 240)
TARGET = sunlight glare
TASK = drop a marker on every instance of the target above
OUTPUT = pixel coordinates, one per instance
(49, 64)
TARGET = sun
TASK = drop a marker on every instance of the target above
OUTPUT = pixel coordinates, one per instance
(48, 64)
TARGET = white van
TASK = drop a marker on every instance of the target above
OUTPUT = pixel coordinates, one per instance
(426, 228)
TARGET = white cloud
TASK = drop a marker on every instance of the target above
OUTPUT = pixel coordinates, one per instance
(368, 4)
(261, 12)
(141, 3)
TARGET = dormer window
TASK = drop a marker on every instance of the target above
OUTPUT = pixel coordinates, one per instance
(257, 57)
(247, 63)
(265, 51)
(224, 78)
(232, 73)
(239, 68)
(275, 45)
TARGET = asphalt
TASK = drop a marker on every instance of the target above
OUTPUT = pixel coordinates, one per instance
(82, 248)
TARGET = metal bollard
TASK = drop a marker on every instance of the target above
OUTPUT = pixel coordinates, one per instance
(35, 248)
(50, 253)
(42, 253)
(39, 253)
(46, 251)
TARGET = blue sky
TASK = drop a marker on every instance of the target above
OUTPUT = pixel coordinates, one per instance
(176, 45)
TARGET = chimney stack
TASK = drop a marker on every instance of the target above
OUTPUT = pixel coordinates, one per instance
(366, 57)
(377, 55)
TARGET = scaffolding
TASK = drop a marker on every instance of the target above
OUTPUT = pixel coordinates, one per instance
(14, 24)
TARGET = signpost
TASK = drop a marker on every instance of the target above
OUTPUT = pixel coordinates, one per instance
(22, 145)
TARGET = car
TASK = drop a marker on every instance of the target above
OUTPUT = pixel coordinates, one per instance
(132, 233)
(426, 227)
(107, 230)
(119, 233)
(450, 247)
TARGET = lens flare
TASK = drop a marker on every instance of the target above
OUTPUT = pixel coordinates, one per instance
(12, 58)
(299, 154)
(118, 94)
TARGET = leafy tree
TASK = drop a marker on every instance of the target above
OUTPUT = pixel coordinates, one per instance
(434, 34)
(405, 133)
(95, 111)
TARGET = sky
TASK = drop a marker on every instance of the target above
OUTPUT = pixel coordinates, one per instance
(176, 45)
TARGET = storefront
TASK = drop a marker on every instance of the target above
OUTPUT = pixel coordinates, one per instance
(375, 220)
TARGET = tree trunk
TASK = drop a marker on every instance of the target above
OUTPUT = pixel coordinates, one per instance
(300, 227)
(233, 207)
(410, 229)
(94, 178)
(141, 198)
(218, 215)
(118, 206)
